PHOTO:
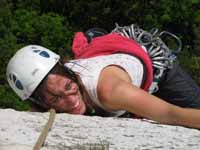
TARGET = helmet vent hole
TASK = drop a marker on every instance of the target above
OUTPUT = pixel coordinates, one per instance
(14, 78)
(16, 82)
(33, 47)
(19, 85)
(36, 50)
(44, 54)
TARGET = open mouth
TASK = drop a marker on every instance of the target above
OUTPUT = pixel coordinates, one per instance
(77, 107)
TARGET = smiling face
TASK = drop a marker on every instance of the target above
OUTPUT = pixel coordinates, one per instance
(63, 94)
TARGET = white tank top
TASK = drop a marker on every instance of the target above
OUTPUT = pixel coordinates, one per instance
(89, 70)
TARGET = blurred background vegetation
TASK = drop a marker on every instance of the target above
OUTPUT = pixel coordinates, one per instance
(52, 23)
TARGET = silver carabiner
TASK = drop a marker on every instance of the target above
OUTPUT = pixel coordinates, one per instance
(179, 42)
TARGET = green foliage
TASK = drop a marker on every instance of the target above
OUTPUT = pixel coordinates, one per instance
(195, 67)
(52, 24)
(9, 99)
(196, 41)
(22, 27)
(48, 29)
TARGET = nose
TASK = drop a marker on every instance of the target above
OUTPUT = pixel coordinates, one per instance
(70, 100)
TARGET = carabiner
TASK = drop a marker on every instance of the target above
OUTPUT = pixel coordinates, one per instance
(179, 42)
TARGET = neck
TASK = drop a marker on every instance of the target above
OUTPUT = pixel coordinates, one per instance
(91, 108)
(90, 105)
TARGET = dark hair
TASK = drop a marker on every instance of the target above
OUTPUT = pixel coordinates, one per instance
(60, 69)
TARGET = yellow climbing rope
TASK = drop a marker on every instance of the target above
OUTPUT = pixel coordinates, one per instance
(45, 131)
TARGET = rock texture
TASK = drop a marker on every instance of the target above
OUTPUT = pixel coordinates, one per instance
(20, 130)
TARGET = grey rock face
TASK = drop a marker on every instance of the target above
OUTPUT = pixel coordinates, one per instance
(20, 131)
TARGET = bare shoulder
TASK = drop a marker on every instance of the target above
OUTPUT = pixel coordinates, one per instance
(110, 78)
(113, 72)
(116, 92)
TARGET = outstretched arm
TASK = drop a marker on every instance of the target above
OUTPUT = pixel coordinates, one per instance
(116, 92)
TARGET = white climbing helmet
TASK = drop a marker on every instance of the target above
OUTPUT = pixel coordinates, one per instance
(28, 67)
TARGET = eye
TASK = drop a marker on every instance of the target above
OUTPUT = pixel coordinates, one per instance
(55, 99)
(68, 86)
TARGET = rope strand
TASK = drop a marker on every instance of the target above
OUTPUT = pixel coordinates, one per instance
(45, 131)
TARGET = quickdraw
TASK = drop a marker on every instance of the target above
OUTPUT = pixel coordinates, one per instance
(161, 55)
